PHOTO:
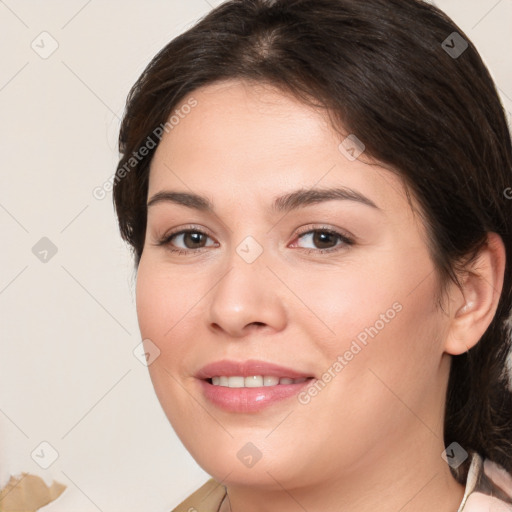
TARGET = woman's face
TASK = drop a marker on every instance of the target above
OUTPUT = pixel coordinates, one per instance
(281, 279)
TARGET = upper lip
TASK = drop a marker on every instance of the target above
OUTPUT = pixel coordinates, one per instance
(247, 369)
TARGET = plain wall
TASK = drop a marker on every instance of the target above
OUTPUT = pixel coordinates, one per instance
(68, 375)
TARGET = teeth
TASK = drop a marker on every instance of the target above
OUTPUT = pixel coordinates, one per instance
(270, 380)
(253, 381)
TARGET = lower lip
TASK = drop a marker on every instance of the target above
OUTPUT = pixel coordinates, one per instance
(249, 399)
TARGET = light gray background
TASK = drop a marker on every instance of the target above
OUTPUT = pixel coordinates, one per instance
(68, 327)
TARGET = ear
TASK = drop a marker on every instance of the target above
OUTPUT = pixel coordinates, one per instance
(472, 311)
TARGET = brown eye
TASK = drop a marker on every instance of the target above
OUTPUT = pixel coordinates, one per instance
(193, 239)
(323, 239)
(186, 240)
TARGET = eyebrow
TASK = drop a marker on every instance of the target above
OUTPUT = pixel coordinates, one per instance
(285, 203)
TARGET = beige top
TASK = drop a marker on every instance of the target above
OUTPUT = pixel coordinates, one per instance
(488, 487)
(208, 498)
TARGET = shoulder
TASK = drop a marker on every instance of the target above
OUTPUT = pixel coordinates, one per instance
(206, 499)
(488, 487)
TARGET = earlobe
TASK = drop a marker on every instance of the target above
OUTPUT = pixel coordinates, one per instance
(473, 310)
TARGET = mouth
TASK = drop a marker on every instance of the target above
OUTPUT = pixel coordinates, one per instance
(253, 381)
(250, 386)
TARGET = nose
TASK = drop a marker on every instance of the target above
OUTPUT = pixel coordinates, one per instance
(246, 297)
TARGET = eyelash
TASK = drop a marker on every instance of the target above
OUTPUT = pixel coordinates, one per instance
(346, 240)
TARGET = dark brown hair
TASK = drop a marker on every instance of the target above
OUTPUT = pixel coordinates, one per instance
(419, 97)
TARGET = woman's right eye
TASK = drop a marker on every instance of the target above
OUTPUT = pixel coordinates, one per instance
(191, 240)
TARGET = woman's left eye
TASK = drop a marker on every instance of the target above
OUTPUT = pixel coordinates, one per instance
(193, 240)
(325, 238)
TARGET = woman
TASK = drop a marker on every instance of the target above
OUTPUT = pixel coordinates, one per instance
(315, 192)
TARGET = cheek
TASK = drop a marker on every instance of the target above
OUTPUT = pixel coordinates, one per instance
(162, 305)
(164, 300)
(150, 298)
(377, 315)
(385, 353)
(159, 309)
(357, 300)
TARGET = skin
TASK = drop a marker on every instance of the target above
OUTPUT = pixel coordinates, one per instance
(372, 438)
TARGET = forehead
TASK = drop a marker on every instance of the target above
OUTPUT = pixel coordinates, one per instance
(252, 142)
